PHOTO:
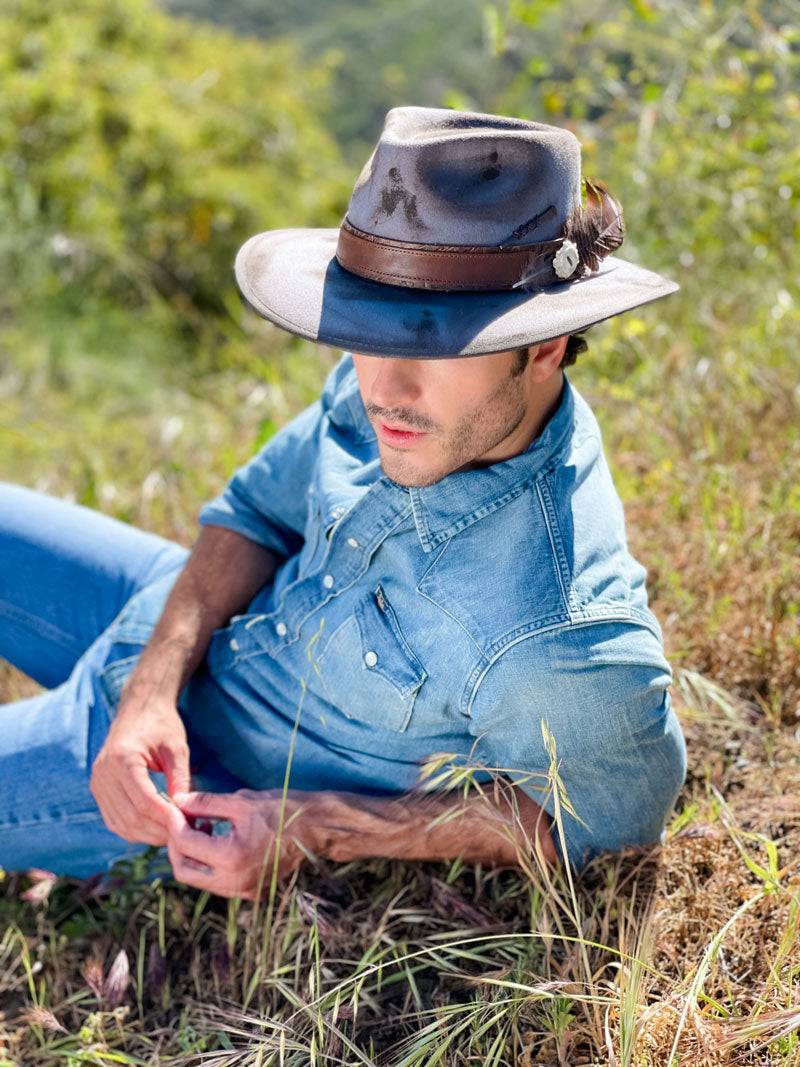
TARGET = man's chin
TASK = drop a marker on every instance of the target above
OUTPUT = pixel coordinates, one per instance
(404, 473)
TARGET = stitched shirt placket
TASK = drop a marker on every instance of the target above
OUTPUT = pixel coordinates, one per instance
(357, 536)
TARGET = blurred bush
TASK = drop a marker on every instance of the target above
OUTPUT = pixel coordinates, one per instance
(382, 54)
(137, 152)
(691, 114)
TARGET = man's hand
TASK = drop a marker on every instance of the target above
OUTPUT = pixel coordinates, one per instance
(241, 862)
(142, 738)
(222, 575)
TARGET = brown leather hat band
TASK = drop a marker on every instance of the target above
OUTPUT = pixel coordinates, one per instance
(421, 266)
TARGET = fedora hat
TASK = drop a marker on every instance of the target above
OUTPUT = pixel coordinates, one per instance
(466, 234)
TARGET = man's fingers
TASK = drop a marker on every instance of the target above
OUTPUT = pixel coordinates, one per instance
(134, 827)
(189, 868)
(126, 771)
(122, 819)
(131, 807)
(143, 796)
(175, 765)
(213, 805)
(202, 877)
(217, 852)
(200, 868)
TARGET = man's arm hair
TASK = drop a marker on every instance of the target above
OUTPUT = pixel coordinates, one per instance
(495, 827)
(220, 578)
(501, 827)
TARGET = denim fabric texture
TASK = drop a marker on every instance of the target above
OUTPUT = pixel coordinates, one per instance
(65, 572)
(454, 618)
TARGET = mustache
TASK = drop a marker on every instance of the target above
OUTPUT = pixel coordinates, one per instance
(415, 420)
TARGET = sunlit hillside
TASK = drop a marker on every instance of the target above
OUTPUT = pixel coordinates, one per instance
(138, 149)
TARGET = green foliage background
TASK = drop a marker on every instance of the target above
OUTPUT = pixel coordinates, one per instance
(381, 54)
(136, 150)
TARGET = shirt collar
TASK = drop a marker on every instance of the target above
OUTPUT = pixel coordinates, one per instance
(457, 501)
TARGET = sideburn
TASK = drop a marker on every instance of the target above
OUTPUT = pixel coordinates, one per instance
(521, 358)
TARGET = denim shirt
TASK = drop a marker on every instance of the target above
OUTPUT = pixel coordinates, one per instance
(453, 618)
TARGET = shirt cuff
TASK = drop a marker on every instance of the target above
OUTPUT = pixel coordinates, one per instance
(232, 512)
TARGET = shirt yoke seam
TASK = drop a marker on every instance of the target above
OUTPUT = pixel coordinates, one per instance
(457, 621)
(554, 623)
(556, 545)
(441, 607)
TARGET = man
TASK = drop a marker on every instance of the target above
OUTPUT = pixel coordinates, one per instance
(431, 559)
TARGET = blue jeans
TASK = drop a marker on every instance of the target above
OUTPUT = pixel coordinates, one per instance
(65, 573)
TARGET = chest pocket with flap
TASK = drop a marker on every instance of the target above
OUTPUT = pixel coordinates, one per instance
(367, 668)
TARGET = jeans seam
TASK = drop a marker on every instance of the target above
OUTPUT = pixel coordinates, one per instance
(39, 626)
(85, 816)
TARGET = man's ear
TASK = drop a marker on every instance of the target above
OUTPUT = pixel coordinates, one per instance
(545, 358)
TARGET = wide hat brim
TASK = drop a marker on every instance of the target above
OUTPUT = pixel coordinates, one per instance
(292, 278)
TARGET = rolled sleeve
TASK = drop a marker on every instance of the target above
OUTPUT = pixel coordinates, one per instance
(265, 499)
(601, 689)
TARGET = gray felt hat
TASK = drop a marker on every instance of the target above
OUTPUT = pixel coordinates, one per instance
(465, 235)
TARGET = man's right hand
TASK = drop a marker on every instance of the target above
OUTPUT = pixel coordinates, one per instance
(220, 578)
(141, 739)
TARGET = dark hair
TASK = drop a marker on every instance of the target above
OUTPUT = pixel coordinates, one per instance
(576, 343)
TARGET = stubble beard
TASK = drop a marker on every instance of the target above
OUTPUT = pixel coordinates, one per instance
(477, 432)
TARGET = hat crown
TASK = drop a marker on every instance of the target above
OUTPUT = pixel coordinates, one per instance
(448, 177)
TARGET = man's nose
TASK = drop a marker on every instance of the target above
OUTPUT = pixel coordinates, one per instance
(396, 383)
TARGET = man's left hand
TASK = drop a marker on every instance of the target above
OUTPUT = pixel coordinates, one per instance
(241, 862)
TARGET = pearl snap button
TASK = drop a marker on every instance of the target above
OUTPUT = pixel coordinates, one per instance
(234, 644)
(280, 629)
(352, 542)
(371, 659)
(327, 581)
(337, 513)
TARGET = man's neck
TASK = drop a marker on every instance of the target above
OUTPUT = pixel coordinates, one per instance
(544, 405)
(543, 402)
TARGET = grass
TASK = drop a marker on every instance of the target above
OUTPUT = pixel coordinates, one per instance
(689, 949)
(685, 953)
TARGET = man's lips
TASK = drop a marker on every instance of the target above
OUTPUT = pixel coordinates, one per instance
(398, 435)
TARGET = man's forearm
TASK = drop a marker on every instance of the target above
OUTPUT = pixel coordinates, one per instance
(502, 829)
(220, 578)
(492, 829)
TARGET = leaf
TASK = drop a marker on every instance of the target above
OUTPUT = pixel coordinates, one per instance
(156, 971)
(222, 961)
(43, 882)
(93, 973)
